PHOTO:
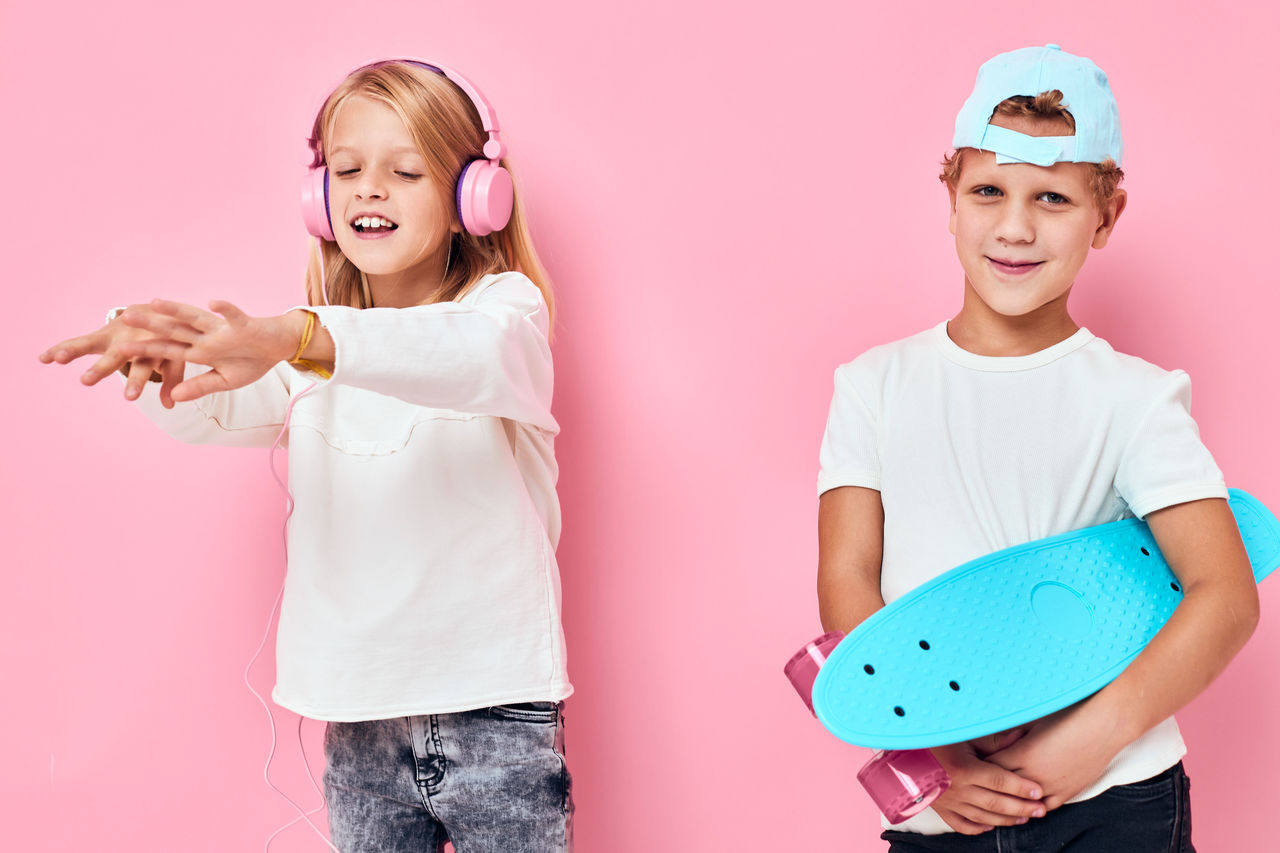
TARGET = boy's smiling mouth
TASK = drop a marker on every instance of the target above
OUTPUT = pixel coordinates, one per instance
(372, 225)
(1013, 267)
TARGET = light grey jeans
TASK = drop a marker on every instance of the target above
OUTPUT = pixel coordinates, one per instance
(491, 780)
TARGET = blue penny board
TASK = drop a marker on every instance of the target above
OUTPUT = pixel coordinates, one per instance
(1013, 636)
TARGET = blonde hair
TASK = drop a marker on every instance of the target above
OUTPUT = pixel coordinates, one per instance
(446, 128)
(1044, 108)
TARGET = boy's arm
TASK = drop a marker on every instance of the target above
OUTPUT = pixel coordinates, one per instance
(1069, 750)
(850, 549)
(850, 545)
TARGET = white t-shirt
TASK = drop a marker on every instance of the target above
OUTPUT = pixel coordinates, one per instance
(972, 454)
(422, 575)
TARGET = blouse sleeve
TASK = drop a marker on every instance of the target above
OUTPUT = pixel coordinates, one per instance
(850, 446)
(251, 416)
(1164, 462)
(487, 354)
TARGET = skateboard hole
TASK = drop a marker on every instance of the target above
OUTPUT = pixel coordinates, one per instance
(924, 644)
(1175, 587)
(897, 709)
(955, 686)
(869, 669)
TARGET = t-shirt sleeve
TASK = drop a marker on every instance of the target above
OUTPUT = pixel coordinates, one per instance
(850, 448)
(1164, 462)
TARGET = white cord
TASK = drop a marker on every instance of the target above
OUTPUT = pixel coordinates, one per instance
(303, 814)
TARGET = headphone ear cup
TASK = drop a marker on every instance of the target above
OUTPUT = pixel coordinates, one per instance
(485, 197)
(315, 203)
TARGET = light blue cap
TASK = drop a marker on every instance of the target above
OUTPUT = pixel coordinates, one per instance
(1030, 71)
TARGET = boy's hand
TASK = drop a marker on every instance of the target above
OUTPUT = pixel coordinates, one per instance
(112, 343)
(1065, 752)
(238, 348)
(983, 795)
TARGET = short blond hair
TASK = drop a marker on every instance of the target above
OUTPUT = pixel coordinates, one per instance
(1044, 108)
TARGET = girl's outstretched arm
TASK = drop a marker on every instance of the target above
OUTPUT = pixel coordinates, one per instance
(486, 354)
(111, 342)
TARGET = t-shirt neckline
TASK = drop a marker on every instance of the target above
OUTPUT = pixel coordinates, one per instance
(1004, 364)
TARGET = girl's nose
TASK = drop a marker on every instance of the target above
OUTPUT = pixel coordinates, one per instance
(370, 186)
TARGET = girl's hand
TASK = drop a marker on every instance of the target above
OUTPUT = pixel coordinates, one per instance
(1065, 752)
(238, 348)
(983, 795)
(111, 342)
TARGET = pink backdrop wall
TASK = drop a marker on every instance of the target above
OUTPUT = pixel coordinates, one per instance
(732, 200)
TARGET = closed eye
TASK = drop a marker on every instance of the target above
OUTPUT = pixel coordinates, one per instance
(409, 176)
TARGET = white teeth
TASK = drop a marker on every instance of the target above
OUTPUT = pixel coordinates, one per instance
(364, 222)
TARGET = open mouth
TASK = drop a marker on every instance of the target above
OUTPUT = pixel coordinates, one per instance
(372, 225)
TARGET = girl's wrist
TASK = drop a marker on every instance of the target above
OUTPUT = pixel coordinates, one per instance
(293, 346)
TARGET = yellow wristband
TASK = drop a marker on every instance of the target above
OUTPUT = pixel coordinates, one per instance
(298, 361)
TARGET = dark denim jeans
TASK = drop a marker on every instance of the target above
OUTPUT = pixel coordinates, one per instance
(491, 780)
(1152, 816)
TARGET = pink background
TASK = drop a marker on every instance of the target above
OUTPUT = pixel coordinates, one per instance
(731, 203)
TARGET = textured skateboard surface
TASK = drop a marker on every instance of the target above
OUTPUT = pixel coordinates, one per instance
(1013, 636)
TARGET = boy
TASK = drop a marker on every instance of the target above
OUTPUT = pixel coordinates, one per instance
(1010, 423)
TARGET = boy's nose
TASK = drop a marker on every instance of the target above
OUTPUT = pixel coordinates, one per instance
(1016, 225)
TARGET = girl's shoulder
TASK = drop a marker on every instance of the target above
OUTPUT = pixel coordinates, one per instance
(509, 284)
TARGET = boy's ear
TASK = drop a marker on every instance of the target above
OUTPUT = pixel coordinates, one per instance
(951, 197)
(1110, 213)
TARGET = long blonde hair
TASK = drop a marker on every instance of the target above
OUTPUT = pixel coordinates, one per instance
(446, 128)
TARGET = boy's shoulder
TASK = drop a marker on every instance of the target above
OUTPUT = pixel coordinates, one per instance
(880, 357)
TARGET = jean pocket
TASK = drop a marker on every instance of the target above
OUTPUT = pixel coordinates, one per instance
(530, 712)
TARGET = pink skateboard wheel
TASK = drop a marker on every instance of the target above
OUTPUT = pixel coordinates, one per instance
(802, 669)
(903, 782)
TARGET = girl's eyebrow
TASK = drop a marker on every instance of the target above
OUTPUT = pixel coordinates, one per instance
(402, 149)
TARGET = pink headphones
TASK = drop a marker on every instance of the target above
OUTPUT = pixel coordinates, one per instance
(484, 194)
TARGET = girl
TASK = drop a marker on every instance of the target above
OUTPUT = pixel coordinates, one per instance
(421, 612)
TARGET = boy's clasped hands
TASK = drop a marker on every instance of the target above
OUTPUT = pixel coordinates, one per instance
(157, 339)
(1025, 772)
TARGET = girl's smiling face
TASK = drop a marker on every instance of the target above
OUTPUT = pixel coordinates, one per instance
(389, 217)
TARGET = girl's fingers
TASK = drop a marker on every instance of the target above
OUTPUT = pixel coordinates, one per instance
(233, 314)
(156, 348)
(103, 367)
(171, 374)
(199, 320)
(159, 324)
(71, 349)
(198, 386)
(139, 375)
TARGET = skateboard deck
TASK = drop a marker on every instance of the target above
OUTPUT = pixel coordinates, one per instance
(1012, 636)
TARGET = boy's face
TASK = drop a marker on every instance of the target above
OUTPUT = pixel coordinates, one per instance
(1023, 231)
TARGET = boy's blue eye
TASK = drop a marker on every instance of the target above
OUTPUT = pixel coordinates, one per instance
(987, 191)
(1054, 198)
